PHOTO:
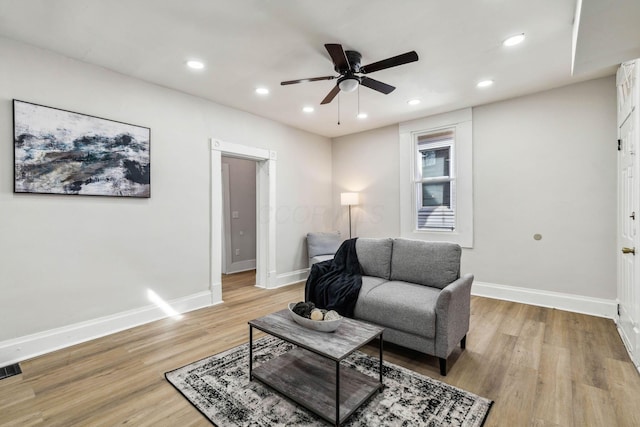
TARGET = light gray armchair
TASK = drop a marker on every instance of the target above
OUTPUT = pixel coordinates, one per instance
(322, 246)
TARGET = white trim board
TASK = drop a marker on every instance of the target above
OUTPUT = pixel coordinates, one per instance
(26, 347)
(627, 345)
(265, 206)
(291, 278)
(29, 346)
(561, 301)
(238, 266)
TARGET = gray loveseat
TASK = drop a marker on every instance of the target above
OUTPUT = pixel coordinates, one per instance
(414, 290)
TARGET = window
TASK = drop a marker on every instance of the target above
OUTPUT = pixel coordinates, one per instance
(436, 200)
(435, 180)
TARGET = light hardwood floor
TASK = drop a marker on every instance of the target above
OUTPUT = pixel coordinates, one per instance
(542, 367)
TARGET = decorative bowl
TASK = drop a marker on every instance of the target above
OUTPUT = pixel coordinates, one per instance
(316, 325)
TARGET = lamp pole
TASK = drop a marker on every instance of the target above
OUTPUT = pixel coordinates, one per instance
(349, 199)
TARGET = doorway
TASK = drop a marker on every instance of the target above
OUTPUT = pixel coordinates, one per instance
(265, 161)
(239, 214)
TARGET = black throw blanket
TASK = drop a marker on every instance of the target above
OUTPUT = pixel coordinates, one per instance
(335, 284)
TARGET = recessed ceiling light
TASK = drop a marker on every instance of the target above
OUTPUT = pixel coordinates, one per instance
(262, 91)
(413, 102)
(362, 115)
(514, 40)
(308, 109)
(194, 64)
(485, 83)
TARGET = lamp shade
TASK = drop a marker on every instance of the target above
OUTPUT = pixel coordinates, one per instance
(349, 199)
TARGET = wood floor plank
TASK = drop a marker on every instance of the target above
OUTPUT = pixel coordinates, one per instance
(624, 385)
(555, 384)
(592, 406)
(528, 347)
(515, 409)
(541, 366)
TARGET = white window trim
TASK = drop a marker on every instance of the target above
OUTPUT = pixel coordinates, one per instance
(461, 121)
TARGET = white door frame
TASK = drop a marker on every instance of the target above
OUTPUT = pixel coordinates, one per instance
(265, 212)
(226, 221)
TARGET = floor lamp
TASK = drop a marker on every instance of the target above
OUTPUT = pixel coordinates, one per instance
(349, 199)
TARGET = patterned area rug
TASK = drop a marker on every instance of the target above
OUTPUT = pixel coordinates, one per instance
(219, 387)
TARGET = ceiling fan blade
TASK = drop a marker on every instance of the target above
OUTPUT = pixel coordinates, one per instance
(338, 57)
(312, 79)
(327, 99)
(376, 85)
(405, 58)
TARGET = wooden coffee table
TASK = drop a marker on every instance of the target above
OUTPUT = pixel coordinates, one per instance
(310, 374)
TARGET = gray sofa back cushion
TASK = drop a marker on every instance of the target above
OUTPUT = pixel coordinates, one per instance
(323, 243)
(374, 256)
(433, 264)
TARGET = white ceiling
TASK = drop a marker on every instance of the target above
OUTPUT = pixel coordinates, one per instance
(251, 43)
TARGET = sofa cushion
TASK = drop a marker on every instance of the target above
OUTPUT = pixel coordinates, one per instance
(374, 256)
(427, 263)
(403, 306)
(369, 283)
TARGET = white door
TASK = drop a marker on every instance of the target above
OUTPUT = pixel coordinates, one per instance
(628, 233)
(628, 214)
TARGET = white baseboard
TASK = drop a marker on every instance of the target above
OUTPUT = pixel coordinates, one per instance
(237, 267)
(568, 302)
(575, 303)
(26, 347)
(286, 279)
(627, 341)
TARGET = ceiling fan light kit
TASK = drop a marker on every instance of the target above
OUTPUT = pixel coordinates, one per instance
(348, 83)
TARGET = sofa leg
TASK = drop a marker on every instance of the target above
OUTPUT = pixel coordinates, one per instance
(463, 342)
(443, 366)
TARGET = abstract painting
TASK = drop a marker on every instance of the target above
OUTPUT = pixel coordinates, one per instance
(62, 152)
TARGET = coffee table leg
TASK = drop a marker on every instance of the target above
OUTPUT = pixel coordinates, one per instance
(250, 352)
(337, 393)
(380, 367)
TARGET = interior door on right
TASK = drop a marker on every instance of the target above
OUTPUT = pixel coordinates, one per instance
(628, 212)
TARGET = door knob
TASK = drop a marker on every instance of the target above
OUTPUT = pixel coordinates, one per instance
(629, 251)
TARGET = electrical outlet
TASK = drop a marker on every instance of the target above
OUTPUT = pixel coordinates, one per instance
(237, 252)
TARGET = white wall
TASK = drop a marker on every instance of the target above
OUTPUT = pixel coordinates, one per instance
(544, 163)
(367, 163)
(550, 161)
(71, 259)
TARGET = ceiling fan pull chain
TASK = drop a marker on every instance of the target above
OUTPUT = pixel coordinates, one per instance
(338, 109)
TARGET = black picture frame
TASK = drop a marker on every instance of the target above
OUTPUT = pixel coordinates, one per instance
(64, 152)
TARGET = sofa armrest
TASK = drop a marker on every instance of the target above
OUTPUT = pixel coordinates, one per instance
(453, 310)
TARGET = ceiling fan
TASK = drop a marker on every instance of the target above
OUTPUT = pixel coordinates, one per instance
(347, 64)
